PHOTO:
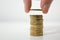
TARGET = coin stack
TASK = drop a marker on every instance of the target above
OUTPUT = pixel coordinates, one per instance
(36, 23)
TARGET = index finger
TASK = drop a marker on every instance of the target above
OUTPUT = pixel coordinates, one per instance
(27, 5)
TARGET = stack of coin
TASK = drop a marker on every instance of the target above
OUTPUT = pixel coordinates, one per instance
(36, 22)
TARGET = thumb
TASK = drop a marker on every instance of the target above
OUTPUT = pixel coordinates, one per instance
(45, 8)
(45, 5)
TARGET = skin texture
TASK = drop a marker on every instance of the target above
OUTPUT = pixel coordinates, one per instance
(45, 5)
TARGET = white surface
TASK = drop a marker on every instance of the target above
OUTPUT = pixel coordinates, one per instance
(20, 31)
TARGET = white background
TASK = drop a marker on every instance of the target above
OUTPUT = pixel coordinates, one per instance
(14, 22)
(14, 10)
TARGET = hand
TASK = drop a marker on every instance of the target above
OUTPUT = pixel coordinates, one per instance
(45, 4)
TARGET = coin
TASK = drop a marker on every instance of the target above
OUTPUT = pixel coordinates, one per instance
(36, 22)
(36, 16)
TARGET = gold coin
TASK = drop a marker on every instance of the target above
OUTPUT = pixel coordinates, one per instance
(36, 22)
(36, 16)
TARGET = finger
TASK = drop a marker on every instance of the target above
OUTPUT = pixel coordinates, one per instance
(27, 5)
(46, 6)
(49, 1)
(42, 3)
